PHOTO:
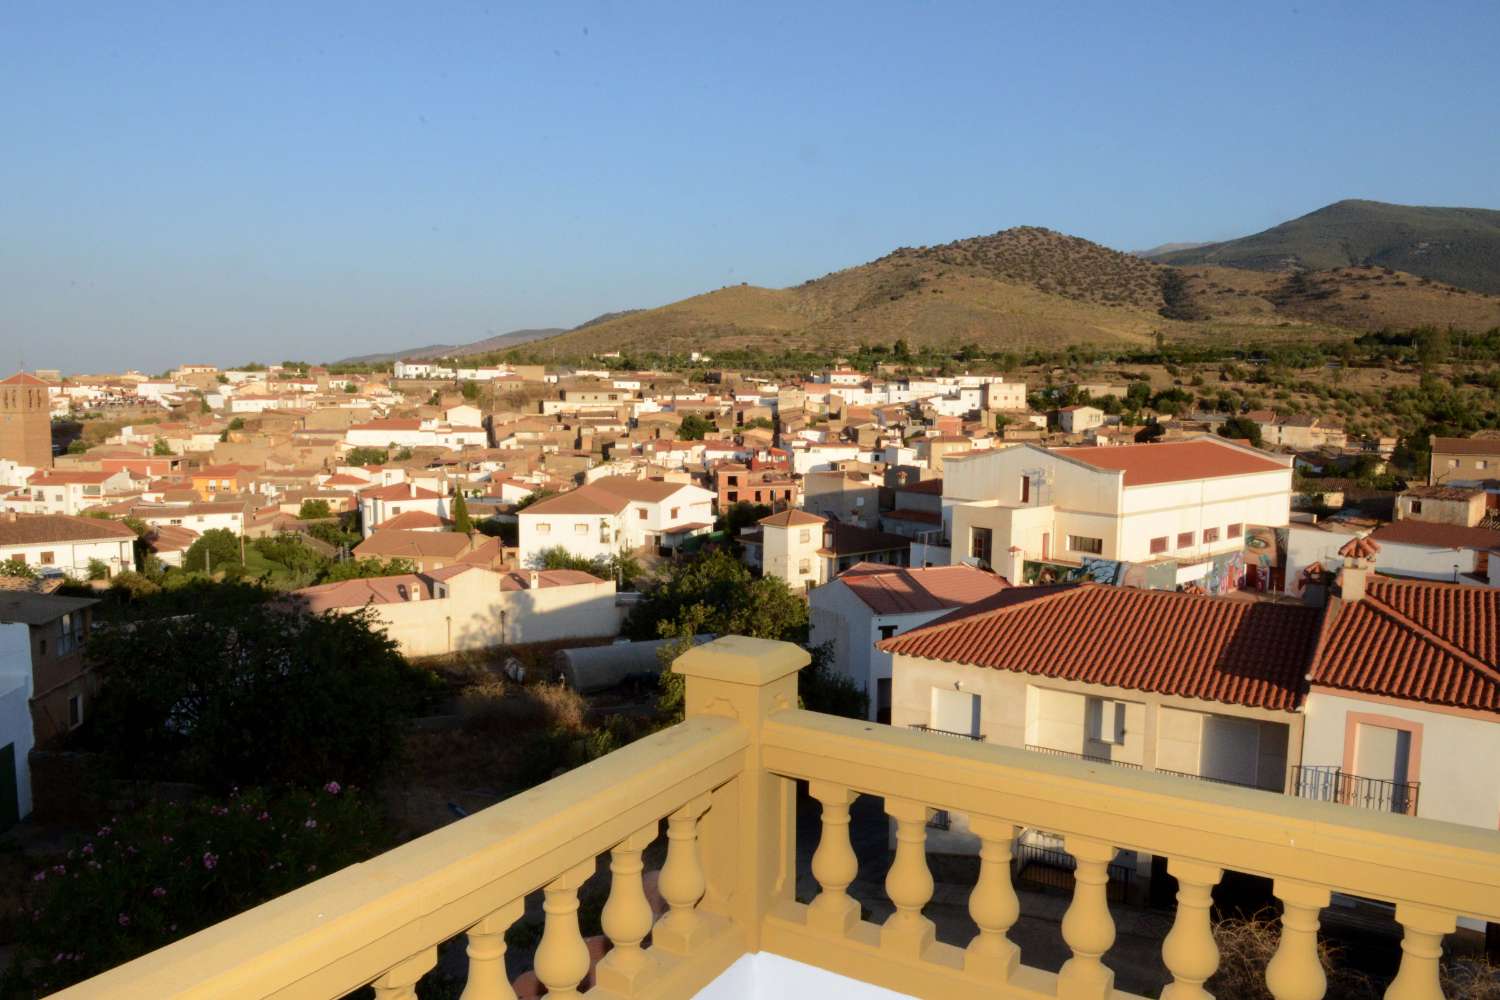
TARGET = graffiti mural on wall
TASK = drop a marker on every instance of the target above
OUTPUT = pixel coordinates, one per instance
(1265, 557)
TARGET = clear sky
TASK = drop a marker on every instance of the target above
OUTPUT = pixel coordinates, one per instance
(231, 181)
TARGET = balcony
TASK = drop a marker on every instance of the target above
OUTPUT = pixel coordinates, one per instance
(723, 783)
(1327, 783)
(1091, 758)
(924, 728)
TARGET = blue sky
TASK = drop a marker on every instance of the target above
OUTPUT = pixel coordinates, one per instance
(221, 181)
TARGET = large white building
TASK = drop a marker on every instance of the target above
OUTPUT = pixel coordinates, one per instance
(59, 544)
(1185, 501)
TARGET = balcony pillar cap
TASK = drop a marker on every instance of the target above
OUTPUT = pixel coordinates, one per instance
(738, 659)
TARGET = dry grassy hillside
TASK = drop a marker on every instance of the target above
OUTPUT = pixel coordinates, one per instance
(1030, 288)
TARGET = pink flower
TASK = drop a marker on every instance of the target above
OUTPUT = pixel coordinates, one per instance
(219, 811)
(263, 817)
(87, 850)
(59, 870)
(158, 892)
(333, 788)
(210, 860)
(40, 876)
(311, 824)
(166, 838)
(104, 831)
(124, 920)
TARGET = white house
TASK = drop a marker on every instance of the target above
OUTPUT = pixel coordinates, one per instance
(871, 602)
(615, 513)
(59, 543)
(16, 732)
(66, 491)
(1431, 550)
(378, 504)
(460, 608)
(1078, 419)
(198, 517)
(1183, 500)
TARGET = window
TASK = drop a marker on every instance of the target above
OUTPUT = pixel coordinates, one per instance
(1480, 463)
(1158, 545)
(1452, 463)
(1105, 721)
(805, 535)
(1025, 489)
(887, 631)
(580, 528)
(732, 496)
(804, 566)
(859, 501)
(75, 711)
(1236, 530)
(1082, 543)
(1416, 506)
(544, 528)
(980, 543)
(604, 532)
(48, 558)
(640, 513)
(1210, 535)
(1185, 540)
(395, 511)
(677, 512)
(955, 711)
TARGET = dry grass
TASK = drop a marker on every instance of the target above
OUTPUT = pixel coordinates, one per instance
(497, 707)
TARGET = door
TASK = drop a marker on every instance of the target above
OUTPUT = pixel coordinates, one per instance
(1230, 749)
(1046, 545)
(10, 809)
(955, 711)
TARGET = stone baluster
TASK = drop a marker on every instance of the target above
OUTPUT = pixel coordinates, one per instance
(1087, 927)
(682, 881)
(993, 904)
(1295, 972)
(1189, 951)
(400, 981)
(908, 883)
(487, 979)
(834, 864)
(1421, 948)
(627, 919)
(562, 957)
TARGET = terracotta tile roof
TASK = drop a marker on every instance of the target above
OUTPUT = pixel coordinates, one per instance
(916, 516)
(358, 593)
(400, 491)
(1430, 642)
(1174, 461)
(413, 545)
(645, 490)
(516, 580)
(1466, 446)
(791, 517)
(27, 529)
(1217, 649)
(388, 424)
(412, 520)
(932, 487)
(1423, 492)
(589, 499)
(22, 378)
(1434, 535)
(62, 477)
(894, 590)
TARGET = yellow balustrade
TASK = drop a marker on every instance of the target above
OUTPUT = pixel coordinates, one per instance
(723, 785)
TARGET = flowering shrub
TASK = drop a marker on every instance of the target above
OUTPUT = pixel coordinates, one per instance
(169, 869)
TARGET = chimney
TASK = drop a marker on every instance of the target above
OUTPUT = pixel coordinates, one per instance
(534, 580)
(1359, 556)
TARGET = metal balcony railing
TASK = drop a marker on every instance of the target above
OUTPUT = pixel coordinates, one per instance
(1093, 758)
(1328, 783)
(920, 727)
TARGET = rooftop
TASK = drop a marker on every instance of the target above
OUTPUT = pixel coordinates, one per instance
(1175, 461)
(894, 590)
(25, 529)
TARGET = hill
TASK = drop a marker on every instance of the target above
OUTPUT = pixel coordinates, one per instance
(1030, 288)
(1457, 246)
(499, 342)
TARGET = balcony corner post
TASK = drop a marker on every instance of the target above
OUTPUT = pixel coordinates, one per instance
(748, 836)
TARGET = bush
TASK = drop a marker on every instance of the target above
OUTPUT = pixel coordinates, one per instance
(170, 869)
(314, 510)
(216, 550)
(257, 695)
(496, 707)
(16, 566)
(98, 569)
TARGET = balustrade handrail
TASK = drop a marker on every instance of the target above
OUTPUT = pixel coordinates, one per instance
(1399, 859)
(334, 935)
(922, 727)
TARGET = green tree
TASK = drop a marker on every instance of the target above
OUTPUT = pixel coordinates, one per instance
(77, 446)
(98, 569)
(160, 447)
(1177, 301)
(1433, 346)
(334, 534)
(470, 390)
(15, 566)
(216, 550)
(351, 388)
(695, 427)
(364, 569)
(535, 496)
(367, 456)
(170, 868)
(1243, 428)
(255, 695)
(313, 510)
(1137, 395)
(717, 591)
(461, 519)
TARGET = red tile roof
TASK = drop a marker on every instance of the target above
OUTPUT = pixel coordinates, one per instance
(1174, 461)
(1435, 535)
(1217, 649)
(895, 590)
(22, 378)
(1430, 642)
(791, 516)
(1466, 446)
(411, 520)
